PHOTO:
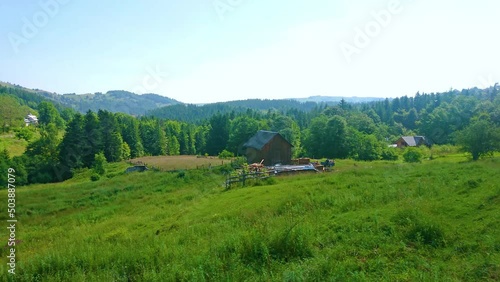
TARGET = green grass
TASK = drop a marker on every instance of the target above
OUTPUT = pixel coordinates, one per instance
(14, 146)
(168, 163)
(381, 221)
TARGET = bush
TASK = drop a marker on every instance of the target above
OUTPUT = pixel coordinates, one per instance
(239, 162)
(95, 177)
(389, 155)
(25, 133)
(224, 169)
(412, 155)
(181, 174)
(226, 155)
(270, 181)
(442, 150)
(99, 164)
(367, 149)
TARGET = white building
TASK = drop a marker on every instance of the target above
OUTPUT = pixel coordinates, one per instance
(30, 119)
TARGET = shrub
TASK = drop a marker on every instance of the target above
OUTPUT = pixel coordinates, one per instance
(389, 155)
(412, 155)
(181, 174)
(367, 149)
(239, 162)
(99, 163)
(225, 154)
(25, 133)
(95, 177)
(442, 150)
(269, 181)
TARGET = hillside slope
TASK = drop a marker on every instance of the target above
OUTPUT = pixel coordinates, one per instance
(380, 221)
(113, 101)
(195, 113)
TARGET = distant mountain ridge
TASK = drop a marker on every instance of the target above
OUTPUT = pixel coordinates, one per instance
(336, 99)
(163, 107)
(113, 101)
(196, 113)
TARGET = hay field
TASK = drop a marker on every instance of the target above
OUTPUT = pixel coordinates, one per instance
(179, 162)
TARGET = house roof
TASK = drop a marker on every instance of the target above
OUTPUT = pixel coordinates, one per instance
(414, 140)
(31, 118)
(261, 138)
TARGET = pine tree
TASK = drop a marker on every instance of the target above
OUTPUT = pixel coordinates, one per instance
(131, 135)
(72, 144)
(115, 147)
(218, 134)
(92, 144)
(111, 137)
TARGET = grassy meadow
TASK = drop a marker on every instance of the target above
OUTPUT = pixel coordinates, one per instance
(168, 163)
(14, 146)
(380, 221)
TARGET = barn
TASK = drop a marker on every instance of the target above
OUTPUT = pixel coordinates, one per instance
(269, 146)
(411, 141)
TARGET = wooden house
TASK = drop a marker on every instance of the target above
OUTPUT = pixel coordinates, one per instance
(411, 141)
(269, 146)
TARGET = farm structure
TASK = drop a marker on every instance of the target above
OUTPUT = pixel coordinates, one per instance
(269, 146)
(411, 141)
(31, 120)
(243, 176)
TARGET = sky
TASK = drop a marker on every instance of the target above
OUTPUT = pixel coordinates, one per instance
(203, 51)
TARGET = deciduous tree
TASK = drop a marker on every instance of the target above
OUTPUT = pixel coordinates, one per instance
(480, 138)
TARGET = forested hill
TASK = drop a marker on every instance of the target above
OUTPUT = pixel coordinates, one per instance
(16, 102)
(113, 101)
(337, 99)
(196, 113)
(469, 118)
(117, 101)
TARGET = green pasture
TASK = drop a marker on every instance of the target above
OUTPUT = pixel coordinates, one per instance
(438, 220)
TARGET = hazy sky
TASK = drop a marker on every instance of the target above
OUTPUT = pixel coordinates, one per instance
(200, 51)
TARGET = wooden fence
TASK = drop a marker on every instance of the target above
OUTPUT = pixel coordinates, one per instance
(244, 176)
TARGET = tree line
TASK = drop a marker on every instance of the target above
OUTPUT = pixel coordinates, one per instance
(70, 141)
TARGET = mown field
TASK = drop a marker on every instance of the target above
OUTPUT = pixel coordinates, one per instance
(179, 162)
(380, 221)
